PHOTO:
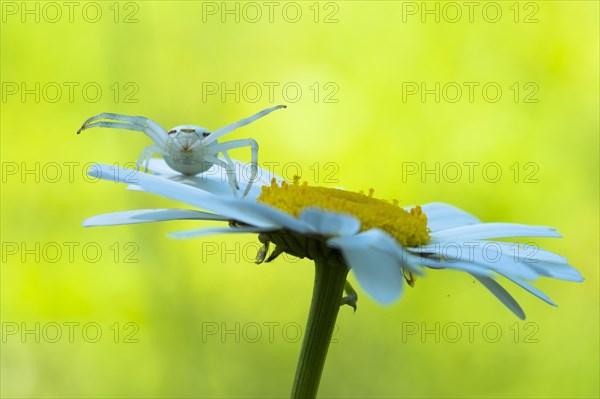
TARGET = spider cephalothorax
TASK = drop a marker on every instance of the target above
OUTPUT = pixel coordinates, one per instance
(188, 149)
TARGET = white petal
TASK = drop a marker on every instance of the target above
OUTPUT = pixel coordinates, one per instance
(216, 230)
(502, 295)
(469, 267)
(211, 186)
(164, 187)
(494, 230)
(378, 273)
(486, 254)
(514, 270)
(206, 181)
(273, 215)
(215, 180)
(243, 211)
(386, 243)
(148, 215)
(544, 263)
(531, 252)
(263, 177)
(442, 216)
(330, 223)
(534, 290)
(557, 271)
(381, 241)
(526, 262)
(160, 167)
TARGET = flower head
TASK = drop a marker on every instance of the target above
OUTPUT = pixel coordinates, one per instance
(378, 240)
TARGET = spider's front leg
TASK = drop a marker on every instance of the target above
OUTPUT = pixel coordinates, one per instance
(220, 132)
(221, 147)
(127, 122)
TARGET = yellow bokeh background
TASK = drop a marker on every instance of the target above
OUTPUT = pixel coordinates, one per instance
(197, 318)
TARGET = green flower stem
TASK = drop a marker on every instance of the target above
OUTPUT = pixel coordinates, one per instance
(330, 279)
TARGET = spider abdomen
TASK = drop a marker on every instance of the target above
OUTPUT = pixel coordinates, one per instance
(184, 150)
(188, 163)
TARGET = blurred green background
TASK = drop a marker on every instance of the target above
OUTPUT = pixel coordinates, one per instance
(128, 312)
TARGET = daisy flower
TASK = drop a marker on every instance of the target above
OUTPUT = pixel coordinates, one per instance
(381, 242)
(384, 244)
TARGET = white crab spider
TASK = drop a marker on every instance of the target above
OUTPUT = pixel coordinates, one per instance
(188, 149)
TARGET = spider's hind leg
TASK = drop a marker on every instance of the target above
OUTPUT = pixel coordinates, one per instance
(232, 164)
(228, 145)
(230, 169)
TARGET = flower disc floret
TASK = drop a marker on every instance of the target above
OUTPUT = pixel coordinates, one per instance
(409, 228)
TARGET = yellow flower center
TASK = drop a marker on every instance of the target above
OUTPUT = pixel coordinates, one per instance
(408, 228)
